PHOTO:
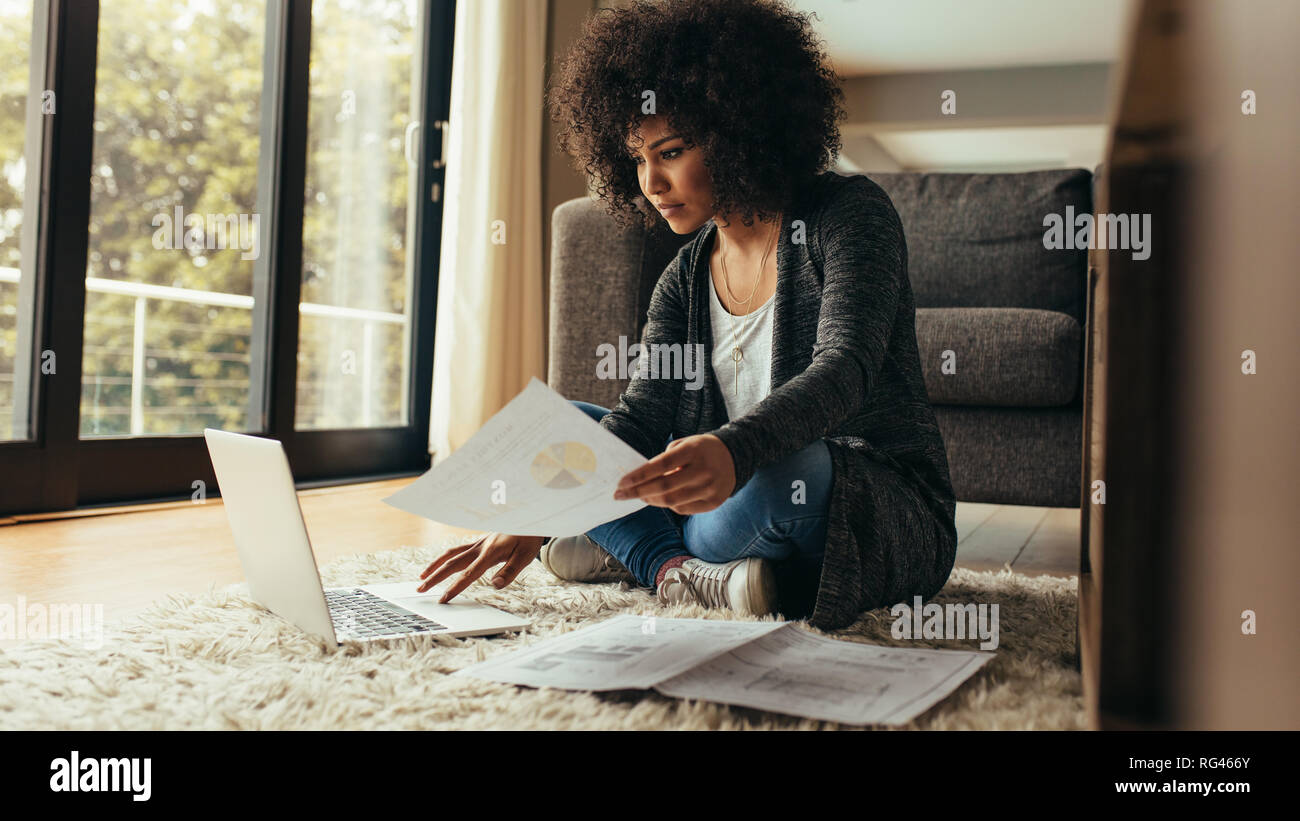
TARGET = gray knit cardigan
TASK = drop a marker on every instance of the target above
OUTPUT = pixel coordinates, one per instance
(845, 367)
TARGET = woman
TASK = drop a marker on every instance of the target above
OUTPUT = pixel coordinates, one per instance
(808, 472)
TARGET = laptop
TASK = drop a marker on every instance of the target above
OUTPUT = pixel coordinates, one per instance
(262, 505)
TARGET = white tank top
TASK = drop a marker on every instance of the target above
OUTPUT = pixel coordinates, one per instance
(753, 334)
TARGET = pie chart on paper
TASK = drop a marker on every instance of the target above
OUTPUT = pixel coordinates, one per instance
(563, 465)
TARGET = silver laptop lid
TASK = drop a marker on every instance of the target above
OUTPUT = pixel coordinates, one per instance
(258, 494)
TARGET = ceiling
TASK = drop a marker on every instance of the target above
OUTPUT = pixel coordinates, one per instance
(1003, 149)
(894, 36)
(866, 38)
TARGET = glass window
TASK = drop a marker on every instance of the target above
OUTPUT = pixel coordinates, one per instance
(173, 233)
(358, 218)
(15, 55)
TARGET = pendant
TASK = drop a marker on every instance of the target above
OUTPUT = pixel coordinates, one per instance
(735, 354)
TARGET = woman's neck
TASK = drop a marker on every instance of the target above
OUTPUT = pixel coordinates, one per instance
(742, 241)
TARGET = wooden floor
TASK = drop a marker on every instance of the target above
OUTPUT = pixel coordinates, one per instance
(126, 559)
(1033, 540)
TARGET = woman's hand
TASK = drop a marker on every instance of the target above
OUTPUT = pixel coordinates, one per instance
(694, 475)
(477, 556)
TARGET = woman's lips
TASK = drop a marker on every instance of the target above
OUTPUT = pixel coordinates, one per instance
(669, 210)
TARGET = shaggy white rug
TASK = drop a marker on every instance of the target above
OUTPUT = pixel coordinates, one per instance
(218, 661)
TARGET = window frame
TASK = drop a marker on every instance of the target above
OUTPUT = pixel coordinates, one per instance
(56, 469)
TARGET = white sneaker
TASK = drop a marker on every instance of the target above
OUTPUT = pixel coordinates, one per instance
(745, 585)
(579, 559)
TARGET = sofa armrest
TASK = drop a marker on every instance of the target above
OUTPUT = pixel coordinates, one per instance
(596, 296)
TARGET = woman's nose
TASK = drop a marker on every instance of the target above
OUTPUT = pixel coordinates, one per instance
(656, 184)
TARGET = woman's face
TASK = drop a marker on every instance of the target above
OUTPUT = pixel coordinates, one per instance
(672, 175)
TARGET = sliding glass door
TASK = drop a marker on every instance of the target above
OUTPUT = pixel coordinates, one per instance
(240, 231)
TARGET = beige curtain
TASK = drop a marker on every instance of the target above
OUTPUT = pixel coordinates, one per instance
(489, 339)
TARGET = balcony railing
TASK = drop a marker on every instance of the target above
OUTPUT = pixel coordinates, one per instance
(163, 293)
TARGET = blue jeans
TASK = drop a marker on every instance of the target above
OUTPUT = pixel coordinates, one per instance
(767, 518)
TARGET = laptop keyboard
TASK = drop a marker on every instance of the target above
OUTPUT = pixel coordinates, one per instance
(359, 614)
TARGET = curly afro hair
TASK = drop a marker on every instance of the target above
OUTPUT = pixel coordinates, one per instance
(746, 80)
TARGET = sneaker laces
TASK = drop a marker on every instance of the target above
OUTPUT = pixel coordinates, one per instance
(612, 564)
(703, 582)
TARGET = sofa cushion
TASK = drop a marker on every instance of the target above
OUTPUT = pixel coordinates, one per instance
(1011, 357)
(1014, 456)
(976, 240)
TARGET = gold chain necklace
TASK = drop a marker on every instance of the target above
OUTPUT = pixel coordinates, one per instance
(736, 353)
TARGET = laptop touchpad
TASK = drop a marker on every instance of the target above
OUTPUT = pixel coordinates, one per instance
(404, 593)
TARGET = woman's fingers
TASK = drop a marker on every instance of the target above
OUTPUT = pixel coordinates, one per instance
(467, 578)
(513, 567)
(652, 491)
(697, 505)
(459, 562)
(693, 487)
(692, 508)
(448, 554)
(477, 558)
(637, 481)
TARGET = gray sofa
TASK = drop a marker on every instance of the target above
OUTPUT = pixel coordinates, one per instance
(1010, 311)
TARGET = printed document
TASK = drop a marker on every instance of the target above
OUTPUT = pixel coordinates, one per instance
(772, 666)
(539, 467)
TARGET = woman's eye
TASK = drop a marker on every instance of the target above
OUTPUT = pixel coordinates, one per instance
(665, 154)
